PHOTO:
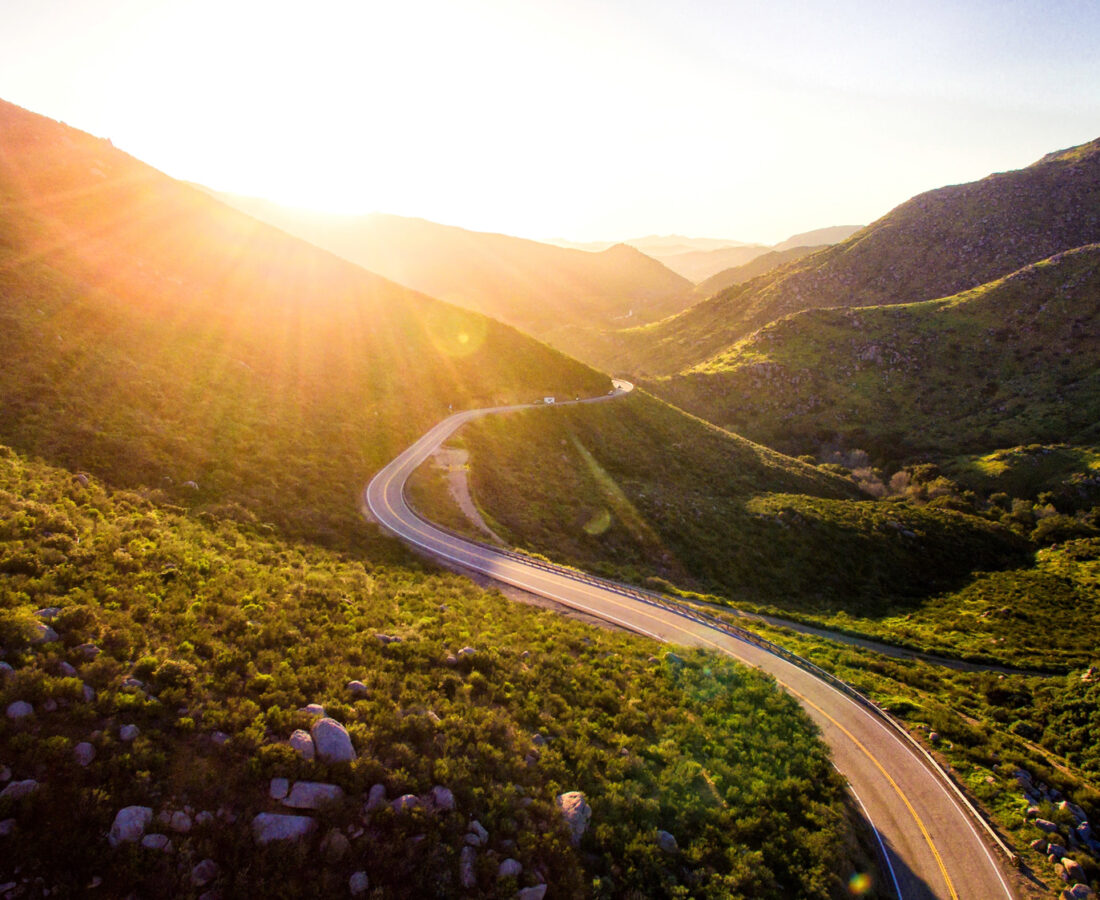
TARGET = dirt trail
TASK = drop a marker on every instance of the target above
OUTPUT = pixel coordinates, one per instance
(453, 461)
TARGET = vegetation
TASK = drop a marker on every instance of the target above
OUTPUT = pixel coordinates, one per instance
(1011, 362)
(230, 628)
(761, 265)
(934, 245)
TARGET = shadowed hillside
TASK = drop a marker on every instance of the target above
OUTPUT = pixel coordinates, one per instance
(761, 265)
(156, 337)
(937, 244)
(539, 288)
(1016, 361)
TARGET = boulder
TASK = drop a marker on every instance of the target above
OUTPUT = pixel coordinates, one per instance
(1032, 812)
(219, 738)
(331, 741)
(204, 818)
(467, 651)
(1078, 892)
(5, 669)
(302, 744)
(406, 802)
(50, 705)
(313, 709)
(467, 874)
(279, 788)
(1045, 825)
(203, 873)
(532, 893)
(129, 825)
(20, 709)
(451, 660)
(1074, 872)
(268, 827)
(157, 842)
(88, 651)
(67, 669)
(359, 883)
(510, 868)
(388, 639)
(312, 795)
(667, 842)
(17, 790)
(87, 692)
(442, 798)
(1056, 851)
(576, 812)
(335, 846)
(476, 835)
(357, 689)
(128, 732)
(49, 613)
(83, 753)
(180, 822)
(376, 799)
(43, 634)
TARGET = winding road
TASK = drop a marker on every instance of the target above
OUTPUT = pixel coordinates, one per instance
(930, 845)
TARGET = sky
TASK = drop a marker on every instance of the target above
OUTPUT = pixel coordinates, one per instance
(581, 119)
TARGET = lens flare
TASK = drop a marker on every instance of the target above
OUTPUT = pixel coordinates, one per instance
(859, 885)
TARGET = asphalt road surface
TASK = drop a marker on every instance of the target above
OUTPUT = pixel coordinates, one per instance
(930, 845)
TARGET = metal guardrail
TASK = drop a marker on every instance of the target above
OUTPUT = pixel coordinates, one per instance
(683, 610)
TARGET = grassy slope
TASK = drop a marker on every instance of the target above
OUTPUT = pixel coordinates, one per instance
(750, 270)
(939, 243)
(232, 628)
(544, 290)
(154, 336)
(1011, 362)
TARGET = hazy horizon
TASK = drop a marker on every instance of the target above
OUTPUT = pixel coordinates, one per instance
(580, 121)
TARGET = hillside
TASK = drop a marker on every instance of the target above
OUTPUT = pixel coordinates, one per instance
(155, 337)
(761, 265)
(1016, 361)
(210, 637)
(698, 265)
(832, 234)
(934, 245)
(541, 289)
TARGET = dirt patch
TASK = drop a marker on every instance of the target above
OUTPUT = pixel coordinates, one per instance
(452, 461)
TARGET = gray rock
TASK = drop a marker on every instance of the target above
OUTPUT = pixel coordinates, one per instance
(219, 738)
(204, 818)
(359, 883)
(279, 788)
(129, 825)
(467, 874)
(357, 689)
(388, 639)
(1039, 844)
(89, 651)
(268, 827)
(406, 802)
(1045, 825)
(87, 693)
(510, 868)
(477, 836)
(157, 842)
(20, 709)
(442, 798)
(1056, 851)
(180, 822)
(48, 613)
(17, 790)
(128, 732)
(376, 799)
(667, 842)
(136, 683)
(43, 634)
(576, 812)
(1084, 832)
(83, 753)
(313, 709)
(312, 795)
(302, 744)
(335, 846)
(1078, 892)
(205, 872)
(81, 479)
(7, 827)
(5, 669)
(467, 651)
(332, 742)
(451, 660)
(67, 669)
(50, 705)
(532, 893)
(1032, 812)
(1074, 871)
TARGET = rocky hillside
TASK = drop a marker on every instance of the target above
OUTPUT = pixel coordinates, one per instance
(155, 337)
(542, 289)
(937, 244)
(1016, 361)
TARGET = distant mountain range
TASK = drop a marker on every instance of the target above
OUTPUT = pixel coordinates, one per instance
(547, 291)
(756, 267)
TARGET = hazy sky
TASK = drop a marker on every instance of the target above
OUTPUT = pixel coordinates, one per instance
(587, 120)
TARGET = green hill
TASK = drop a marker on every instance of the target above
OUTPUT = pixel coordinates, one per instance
(545, 290)
(761, 265)
(1016, 361)
(936, 244)
(155, 337)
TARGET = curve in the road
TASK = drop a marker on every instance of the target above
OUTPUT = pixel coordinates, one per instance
(929, 840)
